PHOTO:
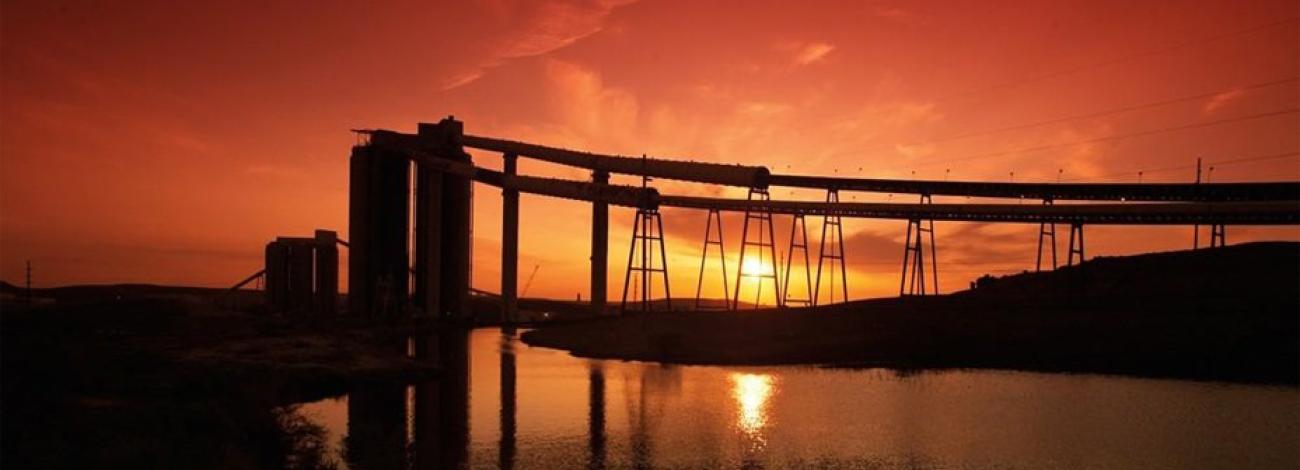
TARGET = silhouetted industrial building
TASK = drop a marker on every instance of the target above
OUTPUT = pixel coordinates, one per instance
(302, 274)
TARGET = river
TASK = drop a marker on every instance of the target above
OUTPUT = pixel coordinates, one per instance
(502, 403)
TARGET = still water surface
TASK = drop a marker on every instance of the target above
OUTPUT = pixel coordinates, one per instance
(505, 404)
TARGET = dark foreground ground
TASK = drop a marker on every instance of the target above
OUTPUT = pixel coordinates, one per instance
(160, 377)
(164, 377)
(1228, 314)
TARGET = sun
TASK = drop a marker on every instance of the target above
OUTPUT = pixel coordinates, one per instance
(755, 267)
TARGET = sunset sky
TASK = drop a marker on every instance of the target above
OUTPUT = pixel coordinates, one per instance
(167, 142)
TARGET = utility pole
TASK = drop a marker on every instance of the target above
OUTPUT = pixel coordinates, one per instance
(1196, 229)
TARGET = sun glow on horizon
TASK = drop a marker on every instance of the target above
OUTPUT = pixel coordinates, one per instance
(756, 267)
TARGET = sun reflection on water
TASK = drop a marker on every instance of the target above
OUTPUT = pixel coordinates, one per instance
(752, 392)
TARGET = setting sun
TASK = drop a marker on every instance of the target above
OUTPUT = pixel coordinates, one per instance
(754, 267)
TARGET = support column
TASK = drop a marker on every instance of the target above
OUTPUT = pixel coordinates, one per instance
(359, 206)
(599, 247)
(1196, 229)
(1076, 243)
(454, 231)
(833, 224)
(764, 218)
(457, 236)
(1046, 230)
(428, 241)
(301, 282)
(913, 281)
(510, 244)
(798, 231)
(277, 276)
(378, 271)
(714, 217)
(647, 231)
(327, 272)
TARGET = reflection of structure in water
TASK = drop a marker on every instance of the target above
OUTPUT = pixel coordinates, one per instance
(506, 446)
(596, 415)
(377, 427)
(437, 412)
(656, 383)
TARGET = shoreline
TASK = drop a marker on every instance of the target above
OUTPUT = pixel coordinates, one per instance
(1130, 316)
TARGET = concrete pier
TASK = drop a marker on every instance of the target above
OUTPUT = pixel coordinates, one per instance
(428, 242)
(599, 246)
(378, 271)
(450, 239)
(327, 272)
(510, 245)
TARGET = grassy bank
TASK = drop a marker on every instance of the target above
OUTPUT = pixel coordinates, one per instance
(1229, 314)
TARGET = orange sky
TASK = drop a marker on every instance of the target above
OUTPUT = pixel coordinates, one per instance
(166, 142)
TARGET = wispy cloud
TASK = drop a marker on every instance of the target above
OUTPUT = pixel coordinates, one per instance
(1220, 100)
(913, 151)
(558, 24)
(544, 27)
(812, 53)
(891, 13)
(462, 79)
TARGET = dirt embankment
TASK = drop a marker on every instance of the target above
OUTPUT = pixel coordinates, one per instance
(1224, 314)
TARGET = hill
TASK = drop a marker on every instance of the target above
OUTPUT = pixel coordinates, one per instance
(1229, 313)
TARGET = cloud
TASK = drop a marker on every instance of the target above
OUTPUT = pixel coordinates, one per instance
(558, 24)
(586, 106)
(1220, 100)
(910, 113)
(462, 79)
(812, 53)
(536, 29)
(913, 151)
(762, 108)
(891, 13)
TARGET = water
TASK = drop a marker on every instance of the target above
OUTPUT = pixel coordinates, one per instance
(563, 412)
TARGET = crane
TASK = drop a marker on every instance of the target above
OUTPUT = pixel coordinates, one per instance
(530, 281)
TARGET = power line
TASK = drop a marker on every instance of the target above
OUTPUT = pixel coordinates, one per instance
(1254, 159)
(1218, 163)
(1109, 138)
(1130, 57)
(1095, 114)
(1105, 63)
(1110, 62)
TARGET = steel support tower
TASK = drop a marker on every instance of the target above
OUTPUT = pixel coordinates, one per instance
(798, 241)
(1076, 243)
(1046, 230)
(714, 218)
(765, 240)
(1217, 236)
(913, 281)
(834, 225)
(647, 232)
